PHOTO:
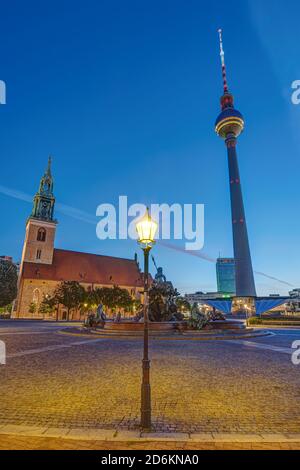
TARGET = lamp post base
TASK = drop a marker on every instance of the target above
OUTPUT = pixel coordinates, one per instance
(146, 397)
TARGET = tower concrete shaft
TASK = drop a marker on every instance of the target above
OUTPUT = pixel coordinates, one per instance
(245, 286)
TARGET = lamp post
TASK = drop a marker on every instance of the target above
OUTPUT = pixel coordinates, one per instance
(246, 311)
(146, 229)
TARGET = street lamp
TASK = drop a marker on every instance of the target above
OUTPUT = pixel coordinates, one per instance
(146, 229)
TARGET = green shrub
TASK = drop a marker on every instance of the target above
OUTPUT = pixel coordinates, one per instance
(254, 321)
(32, 307)
(273, 320)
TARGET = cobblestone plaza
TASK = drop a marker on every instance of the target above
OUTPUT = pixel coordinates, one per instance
(63, 381)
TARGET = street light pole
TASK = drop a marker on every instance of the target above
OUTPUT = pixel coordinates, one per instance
(146, 389)
(146, 229)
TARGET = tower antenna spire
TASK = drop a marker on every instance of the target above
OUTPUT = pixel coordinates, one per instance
(222, 55)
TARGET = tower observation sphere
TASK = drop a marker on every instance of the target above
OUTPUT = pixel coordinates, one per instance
(229, 123)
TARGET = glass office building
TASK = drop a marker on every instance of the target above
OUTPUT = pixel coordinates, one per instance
(225, 268)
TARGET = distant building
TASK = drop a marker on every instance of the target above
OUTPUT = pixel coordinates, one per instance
(225, 269)
(293, 305)
(6, 258)
(295, 293)
(10, 260)
(199, 297)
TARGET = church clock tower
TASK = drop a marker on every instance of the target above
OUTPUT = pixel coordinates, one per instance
(41, 226)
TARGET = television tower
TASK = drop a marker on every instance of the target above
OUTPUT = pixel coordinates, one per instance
(229, 126)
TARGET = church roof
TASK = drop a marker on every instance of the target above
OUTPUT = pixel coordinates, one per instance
(86, 267)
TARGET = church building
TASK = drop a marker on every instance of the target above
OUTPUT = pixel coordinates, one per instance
(43, 267)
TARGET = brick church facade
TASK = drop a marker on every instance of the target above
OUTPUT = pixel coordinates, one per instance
(43, 267)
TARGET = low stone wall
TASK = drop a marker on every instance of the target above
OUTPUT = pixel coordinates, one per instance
(225, 325)
(169, 326)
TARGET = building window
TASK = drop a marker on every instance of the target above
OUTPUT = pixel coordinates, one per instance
(41, 235)
(38, 254)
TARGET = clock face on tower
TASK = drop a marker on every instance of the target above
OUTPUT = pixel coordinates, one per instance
(45, 210)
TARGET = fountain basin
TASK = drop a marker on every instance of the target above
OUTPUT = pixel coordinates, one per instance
(139, 326)
(169, 326)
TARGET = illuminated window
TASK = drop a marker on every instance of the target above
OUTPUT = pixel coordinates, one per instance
(41, 235)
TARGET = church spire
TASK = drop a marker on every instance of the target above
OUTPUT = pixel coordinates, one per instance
(46, 183)
(43, 203)
(48, 172)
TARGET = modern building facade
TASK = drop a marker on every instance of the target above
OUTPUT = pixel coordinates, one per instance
(225, 270)
(228, 126)
(43, 267)
(295, 293)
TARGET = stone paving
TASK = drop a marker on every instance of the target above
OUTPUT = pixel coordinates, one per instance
(197, 386)
(13, 442)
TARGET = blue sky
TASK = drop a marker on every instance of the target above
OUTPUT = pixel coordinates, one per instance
(124, 95)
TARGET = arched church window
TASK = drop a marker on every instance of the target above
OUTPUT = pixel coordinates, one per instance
(38, 254)
(36, 296)
(41, 235)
